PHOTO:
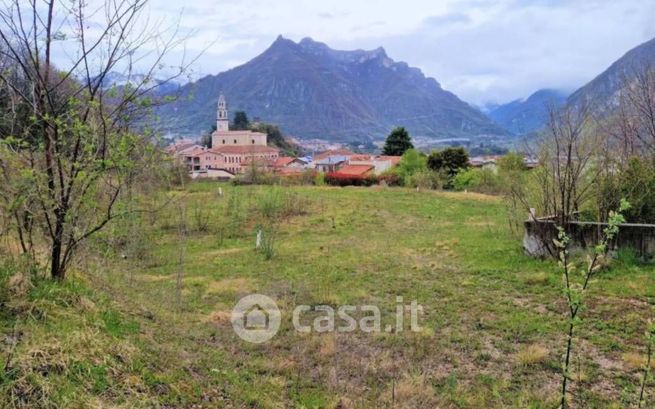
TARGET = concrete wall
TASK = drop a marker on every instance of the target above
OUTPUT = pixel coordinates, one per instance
(539, 235)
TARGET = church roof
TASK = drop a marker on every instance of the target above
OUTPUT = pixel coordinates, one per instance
(237, 133)
(244, 149)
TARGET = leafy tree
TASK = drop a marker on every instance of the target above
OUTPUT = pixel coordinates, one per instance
(411, 162)
(241, 121)
(511, 162)
(276, 138)
(206, 140)
(450, 159)
(397, 143)
(435, 161)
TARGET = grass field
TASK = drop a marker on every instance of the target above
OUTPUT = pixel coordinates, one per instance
(145, 321)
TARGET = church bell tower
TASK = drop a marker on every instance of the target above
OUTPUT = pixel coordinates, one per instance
(222, 121)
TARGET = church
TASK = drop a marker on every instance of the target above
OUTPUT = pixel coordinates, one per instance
(224, 137)
(234, 151)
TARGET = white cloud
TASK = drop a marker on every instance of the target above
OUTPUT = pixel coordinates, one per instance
(482, 50)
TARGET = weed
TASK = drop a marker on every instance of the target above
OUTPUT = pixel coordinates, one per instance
(531, 355)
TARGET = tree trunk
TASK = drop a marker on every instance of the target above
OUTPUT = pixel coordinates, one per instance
(56, 268)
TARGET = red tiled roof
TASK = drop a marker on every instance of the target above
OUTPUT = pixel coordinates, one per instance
(244, 149)
(192, 151)
(360, 157)
(355, 170)
(283, 161)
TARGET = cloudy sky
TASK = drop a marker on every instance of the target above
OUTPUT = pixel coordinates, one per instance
(483, 50)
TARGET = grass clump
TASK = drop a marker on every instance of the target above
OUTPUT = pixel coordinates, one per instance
(531, 355)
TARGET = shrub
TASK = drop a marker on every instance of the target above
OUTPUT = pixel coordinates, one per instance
(390, 177)
(319, 179)
(257, 178)
(201, 218)
(511, 162)
(339, 179)
(634, 181)
(466, 179)
(270, 204)
(177, 174)
(478, 180)
(426, 179)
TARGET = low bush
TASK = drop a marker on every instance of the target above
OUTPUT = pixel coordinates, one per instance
(339, 179)
(258, 178)
(426, 179)
(479, 180)
(319, 179)
(306, 177)
(391, 178)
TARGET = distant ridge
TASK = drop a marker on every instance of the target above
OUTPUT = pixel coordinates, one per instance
(602, 91)
(522, 117)
(313, 91)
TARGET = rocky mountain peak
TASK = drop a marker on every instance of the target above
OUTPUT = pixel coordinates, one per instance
(314, 91)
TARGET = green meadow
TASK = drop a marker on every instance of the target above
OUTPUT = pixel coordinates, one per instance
(144, 320)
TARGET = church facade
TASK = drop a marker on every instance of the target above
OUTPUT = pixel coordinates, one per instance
(223, 136)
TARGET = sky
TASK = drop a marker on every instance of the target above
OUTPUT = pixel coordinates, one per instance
(482, 50)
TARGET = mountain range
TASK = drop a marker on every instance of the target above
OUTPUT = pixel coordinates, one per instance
(162, 86)
(313, 91)
(522, 117)
(601, 93)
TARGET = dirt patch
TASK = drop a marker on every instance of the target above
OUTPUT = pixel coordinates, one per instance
(153, 278)
(470, 196)
(229, 285)
(218, 317)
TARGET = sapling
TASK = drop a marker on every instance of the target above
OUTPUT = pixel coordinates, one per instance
(650, 341)
(575, 291)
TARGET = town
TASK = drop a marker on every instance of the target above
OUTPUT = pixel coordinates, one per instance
(235, 152)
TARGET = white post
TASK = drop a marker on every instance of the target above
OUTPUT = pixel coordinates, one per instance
(258, 241)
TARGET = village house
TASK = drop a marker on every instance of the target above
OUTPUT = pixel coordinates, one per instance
(290, 162)
(485, 162)
(334, 152)
(331, 163)
(380, 163)
(289, 166)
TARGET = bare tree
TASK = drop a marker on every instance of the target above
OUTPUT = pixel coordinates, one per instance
(80, 144)
(568, 155)
(636, 121)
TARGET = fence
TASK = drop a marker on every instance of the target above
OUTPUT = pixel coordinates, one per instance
(540, 232)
